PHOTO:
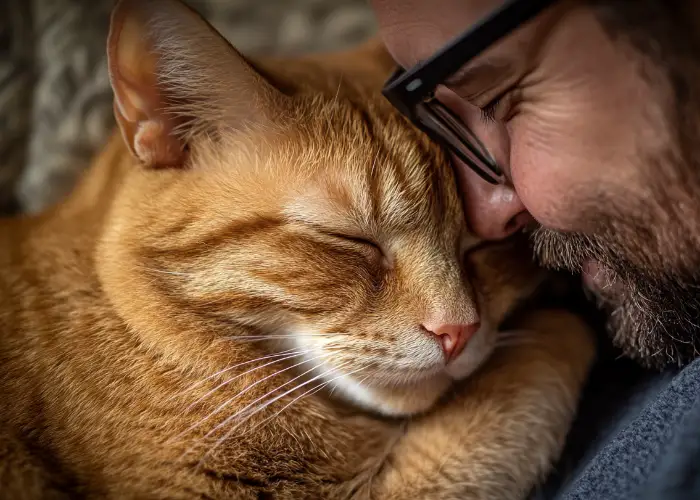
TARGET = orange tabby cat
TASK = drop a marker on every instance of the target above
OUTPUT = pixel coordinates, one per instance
(253, 305)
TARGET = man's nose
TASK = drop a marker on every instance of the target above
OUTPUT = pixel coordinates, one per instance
(493, 212)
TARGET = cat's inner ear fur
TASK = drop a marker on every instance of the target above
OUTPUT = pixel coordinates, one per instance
(175, 77)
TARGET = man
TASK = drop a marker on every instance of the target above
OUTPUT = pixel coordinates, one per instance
(587, 115)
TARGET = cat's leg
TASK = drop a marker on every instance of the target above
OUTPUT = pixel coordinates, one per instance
(499, 435)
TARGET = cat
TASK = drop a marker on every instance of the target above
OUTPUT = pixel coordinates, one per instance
(264, 287)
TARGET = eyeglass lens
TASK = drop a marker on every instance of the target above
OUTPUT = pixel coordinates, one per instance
(436, 117)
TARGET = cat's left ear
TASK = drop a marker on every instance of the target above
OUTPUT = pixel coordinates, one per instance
(174, 76)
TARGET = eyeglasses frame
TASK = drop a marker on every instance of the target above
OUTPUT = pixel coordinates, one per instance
(412, 91)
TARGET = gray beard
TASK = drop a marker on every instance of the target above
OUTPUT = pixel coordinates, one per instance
(653, 315)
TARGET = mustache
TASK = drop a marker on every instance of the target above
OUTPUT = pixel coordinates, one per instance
(568, 251)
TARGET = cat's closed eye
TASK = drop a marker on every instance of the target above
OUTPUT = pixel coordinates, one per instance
(358, 240)
(365, 244)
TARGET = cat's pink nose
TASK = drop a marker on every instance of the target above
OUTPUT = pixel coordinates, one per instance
(452, 338)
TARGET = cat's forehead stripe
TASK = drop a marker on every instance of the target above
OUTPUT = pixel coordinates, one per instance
(402, 183)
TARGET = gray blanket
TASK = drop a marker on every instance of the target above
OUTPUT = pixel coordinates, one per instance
(55, 100)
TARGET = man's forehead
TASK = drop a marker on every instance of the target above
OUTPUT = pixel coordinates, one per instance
(414, 29)
(414, 34)
(455, 15)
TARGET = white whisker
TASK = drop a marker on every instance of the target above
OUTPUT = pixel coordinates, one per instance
(290, 336)
(230, 400)
(242, 410)
(342, 365)
(226, 382)
(310, 392)
(268, 403)
(220, 372)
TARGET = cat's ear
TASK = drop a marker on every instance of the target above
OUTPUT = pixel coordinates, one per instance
(173, 76)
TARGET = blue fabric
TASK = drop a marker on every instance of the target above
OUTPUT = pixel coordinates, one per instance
(638, 440)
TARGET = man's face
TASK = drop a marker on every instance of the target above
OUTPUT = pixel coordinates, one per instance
(591, 134)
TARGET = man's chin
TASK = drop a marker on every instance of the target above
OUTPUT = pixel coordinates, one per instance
(653, 329)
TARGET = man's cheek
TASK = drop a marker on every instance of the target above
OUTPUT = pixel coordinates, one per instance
(547, 179)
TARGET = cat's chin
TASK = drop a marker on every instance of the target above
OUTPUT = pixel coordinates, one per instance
(395, 401)
(421, 393)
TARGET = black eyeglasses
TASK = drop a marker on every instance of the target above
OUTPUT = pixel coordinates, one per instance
(412, 92)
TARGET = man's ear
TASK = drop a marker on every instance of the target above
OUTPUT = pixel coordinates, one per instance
(174, 76)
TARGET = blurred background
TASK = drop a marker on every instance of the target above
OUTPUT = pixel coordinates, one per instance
(55, 100)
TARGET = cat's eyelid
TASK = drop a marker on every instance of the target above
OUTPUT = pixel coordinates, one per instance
(348, 233)
(356, 238)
